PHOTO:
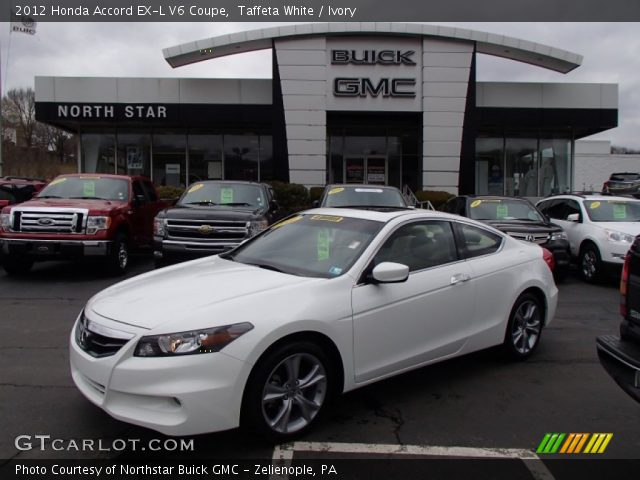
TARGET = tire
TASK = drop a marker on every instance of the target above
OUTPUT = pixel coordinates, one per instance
(118, 260)
(16, 265)
(293, 408)
(524, 327)
(590, 263)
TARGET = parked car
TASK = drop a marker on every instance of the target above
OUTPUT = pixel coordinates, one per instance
(18, 189)
(600, 229)
(322, 302)
(80, 215)
(519, 218)
(212, 217)
(623, 183)
(356, 195)
(620, 356)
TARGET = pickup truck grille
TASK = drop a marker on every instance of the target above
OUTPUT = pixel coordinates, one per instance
(47, 220)
(207, 230)
(538, 238)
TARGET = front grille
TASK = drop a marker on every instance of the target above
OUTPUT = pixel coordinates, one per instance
(96, 344)
(538, 238)
(207, 230)
(47, 220)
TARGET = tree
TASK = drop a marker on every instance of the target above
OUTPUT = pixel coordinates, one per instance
(19, 112)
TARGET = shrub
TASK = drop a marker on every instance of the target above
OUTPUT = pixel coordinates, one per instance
(315, 193)
(291, 197)
(168, 192)
(436, 197)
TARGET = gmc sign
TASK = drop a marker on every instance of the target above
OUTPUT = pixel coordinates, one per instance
(362, 87)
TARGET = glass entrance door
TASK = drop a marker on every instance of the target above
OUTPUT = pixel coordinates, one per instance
(370, 169)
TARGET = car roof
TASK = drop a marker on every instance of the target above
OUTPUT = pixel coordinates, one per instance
(234, 182)
(104, 175)
(360, 185)
(494, 197)
(382, 216)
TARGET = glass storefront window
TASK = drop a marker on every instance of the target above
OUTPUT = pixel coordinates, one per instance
(134, 154)
(241, 157)
(490, 166)
(205, 157)
(336, 159)
(98, 153)
(267, 170)
(521, 167)
(555, 166)
(169, 159)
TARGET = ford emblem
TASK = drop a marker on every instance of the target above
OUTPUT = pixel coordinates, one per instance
(46, 221)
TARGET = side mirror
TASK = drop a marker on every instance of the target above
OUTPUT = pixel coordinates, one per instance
(315, 204)
(574, 217)
(390, 272)
(4, 203)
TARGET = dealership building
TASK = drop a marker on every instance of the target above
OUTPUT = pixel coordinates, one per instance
(376, 103)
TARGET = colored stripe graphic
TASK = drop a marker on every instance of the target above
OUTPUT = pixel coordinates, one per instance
(573, 443)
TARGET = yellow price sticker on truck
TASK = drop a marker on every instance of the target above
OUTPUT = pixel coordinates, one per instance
(335, 190)
(327, 218)
(594, 205)
(475, 203)
(58, 180)
(196, 187)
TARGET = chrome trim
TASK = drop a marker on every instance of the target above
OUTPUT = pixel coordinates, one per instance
(106, 331)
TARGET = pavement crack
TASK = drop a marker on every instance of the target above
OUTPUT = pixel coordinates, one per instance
(390, 413)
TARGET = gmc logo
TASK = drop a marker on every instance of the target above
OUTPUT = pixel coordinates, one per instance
(372, 57)
(362, 87)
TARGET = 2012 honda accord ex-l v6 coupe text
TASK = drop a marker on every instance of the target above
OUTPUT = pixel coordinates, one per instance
(322, 302)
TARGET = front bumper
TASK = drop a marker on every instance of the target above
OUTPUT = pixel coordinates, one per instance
(621, 360)
(184, 395)
(190, 249)
(55, 248)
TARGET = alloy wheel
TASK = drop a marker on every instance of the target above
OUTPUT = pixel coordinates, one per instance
(527, 323)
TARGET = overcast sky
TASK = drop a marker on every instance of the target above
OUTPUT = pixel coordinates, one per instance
(611, 54)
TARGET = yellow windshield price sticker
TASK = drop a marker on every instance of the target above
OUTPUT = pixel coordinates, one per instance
(327, 218)
(335, 190)
(196, 187)
(594, 205)
(58, 180)
(287, 222)
(475, 203)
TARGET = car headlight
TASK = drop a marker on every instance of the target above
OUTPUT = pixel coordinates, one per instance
(159, 227)
(97, 223)
(189, 343)
(619, 237)
(5, 221)
(257, 226)
(559, 236)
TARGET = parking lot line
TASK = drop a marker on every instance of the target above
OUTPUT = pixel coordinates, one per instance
(283, 454)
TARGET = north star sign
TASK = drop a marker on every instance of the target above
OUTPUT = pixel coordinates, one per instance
(112, 111)
(363, 86)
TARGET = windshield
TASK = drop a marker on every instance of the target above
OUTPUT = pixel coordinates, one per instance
(612, 210)
(102, 188)
(363, 196)
(504, 209)
(227, 194)
(322, 246)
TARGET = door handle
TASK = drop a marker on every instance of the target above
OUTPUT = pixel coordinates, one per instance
(460, 278)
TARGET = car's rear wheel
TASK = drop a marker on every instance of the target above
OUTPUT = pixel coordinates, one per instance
(17, 265)
(590, 263)
(524, 327)
(288, 391)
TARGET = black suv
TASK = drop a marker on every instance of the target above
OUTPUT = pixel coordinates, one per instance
(212, 217)
(518, 218)
(620, 356)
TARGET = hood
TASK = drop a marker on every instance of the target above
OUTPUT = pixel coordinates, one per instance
(73, 203)
(183, 291)
(213, 212)
(522, 226)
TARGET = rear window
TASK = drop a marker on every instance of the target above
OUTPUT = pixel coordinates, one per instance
(363, 196)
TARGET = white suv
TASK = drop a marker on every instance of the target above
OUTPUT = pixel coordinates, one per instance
(601, 228)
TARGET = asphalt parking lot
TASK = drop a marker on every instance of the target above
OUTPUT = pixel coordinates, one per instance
(478, 402)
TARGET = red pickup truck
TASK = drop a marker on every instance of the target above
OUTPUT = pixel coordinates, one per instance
(80, 215)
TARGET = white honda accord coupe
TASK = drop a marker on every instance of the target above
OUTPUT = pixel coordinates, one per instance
(323, 302)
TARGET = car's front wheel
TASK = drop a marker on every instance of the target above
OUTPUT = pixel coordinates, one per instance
(118, 260)
(524, 327)
(288, 391)
(590, 263)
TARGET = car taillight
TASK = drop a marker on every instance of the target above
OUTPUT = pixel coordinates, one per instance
(624, 285)
(605, 187)
(548, 258)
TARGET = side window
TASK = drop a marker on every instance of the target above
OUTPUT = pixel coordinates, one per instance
(150, 191)
(477, 241)
(5, 195)
(572, 207)
(420, 245)
(138, 192)
(450, 205)
(556, 209)
(461, 207)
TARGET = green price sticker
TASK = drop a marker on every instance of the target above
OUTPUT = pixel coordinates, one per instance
(502, 211)
(226, 195)
(323, 244)
(619, 211)
(89, 189)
